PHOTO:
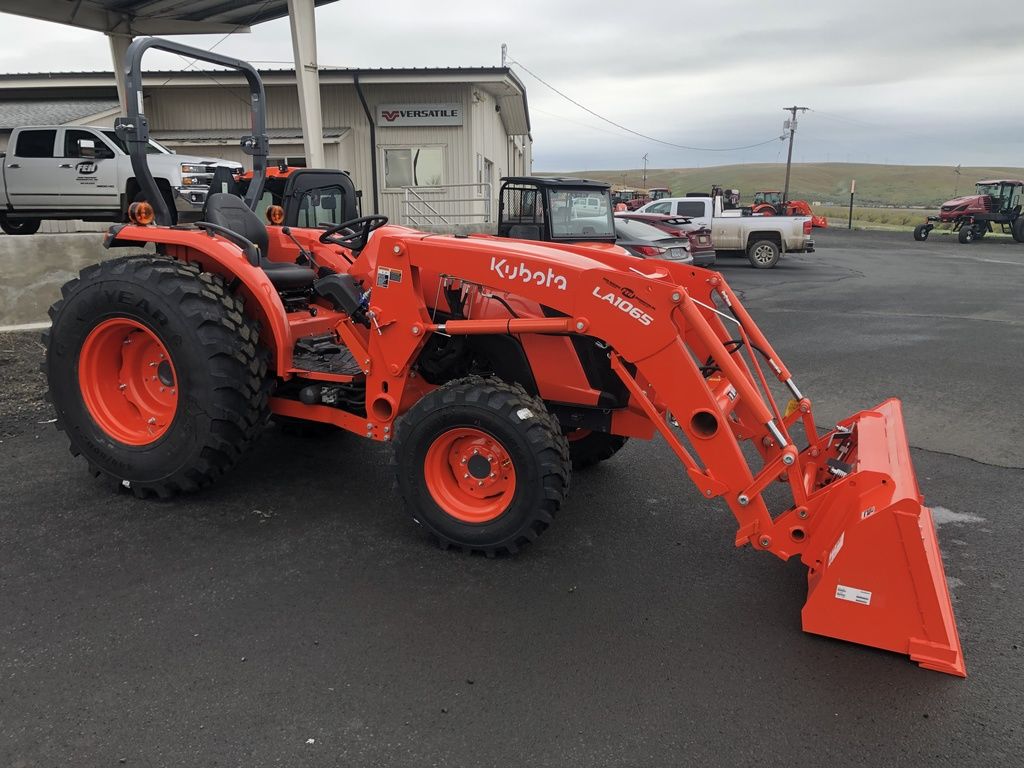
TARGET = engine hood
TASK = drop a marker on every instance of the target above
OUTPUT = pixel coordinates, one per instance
(973, 201)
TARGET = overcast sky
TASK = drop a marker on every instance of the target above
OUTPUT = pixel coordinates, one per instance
(911, 81)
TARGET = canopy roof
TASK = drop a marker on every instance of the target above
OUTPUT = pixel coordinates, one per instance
(154, 17)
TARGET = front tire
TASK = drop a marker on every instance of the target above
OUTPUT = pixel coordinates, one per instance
(155, 374)
(20, 226)
(482, 465)
(966, 234)
(921, 232)
(763, 254)
(588, 448)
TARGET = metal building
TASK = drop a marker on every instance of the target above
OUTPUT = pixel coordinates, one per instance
(425, 146)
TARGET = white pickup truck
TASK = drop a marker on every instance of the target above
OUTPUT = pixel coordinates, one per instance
(762, 238)
(73, 172)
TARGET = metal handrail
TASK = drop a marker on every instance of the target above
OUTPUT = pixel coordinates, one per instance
(418, 210)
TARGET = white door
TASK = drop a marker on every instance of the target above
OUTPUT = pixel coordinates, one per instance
(87, 182)
(33, 179)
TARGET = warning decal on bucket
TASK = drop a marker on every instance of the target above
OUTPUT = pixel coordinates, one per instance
(852, 594)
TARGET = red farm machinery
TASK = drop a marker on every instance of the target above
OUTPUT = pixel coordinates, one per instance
(995, 203)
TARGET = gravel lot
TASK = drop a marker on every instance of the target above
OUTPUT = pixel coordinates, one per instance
(293, 616)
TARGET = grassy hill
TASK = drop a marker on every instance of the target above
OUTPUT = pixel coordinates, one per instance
(889, 185)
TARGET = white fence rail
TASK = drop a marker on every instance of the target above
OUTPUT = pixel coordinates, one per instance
(447, 204)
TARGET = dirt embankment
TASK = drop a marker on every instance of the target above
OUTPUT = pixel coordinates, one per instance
(22, 384)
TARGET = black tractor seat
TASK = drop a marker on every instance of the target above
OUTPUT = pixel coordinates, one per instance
(228, 211)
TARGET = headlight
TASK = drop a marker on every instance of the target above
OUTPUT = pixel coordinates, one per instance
(193, 181)
(194, 169)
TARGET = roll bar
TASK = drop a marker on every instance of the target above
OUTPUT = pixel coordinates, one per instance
(133, 130)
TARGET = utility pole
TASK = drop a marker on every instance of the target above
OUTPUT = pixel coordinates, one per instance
(645, 171)
(504, 55)
(789, 158)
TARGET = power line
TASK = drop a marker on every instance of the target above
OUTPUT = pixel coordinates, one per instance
(621, 127)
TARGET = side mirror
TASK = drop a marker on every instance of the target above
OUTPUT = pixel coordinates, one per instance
(86, 148)
(327, 202)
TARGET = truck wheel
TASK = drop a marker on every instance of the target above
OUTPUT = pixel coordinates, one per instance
(587, 448)
(482, 465)
(921, 232)
(155, 374)
(980, 230)
(763, 254)
(20, 226)
(966, 234)
(1017, 230)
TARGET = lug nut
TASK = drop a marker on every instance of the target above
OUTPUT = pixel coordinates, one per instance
(766, 541)
(676, 296)
(787, 459)
(742, 500)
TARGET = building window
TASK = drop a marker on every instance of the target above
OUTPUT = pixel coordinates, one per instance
(413, 167)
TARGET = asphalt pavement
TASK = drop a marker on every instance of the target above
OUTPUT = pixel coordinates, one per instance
(292, 615)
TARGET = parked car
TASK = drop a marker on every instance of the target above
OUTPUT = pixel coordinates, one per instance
(702, 247)
(649, 242)
(764, 239)
(78, 172)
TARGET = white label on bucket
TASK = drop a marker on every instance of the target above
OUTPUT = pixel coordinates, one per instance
(836, 547)
(867, 513)
(852, 594)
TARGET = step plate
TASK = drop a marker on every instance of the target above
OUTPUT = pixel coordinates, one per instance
(340, 362)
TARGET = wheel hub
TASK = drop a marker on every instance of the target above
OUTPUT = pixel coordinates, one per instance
(470, 475)
(128, 382)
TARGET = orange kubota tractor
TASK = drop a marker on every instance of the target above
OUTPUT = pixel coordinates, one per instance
(772, 203)
(484, 361)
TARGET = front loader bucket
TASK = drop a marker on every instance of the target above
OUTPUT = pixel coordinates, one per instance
(876, 574)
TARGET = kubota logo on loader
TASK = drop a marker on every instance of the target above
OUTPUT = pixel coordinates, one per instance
(523, 273)
(625, 305)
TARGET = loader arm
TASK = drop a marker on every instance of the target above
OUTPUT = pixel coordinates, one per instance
(694, 361)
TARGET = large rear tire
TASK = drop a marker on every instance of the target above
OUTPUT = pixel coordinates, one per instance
(1018, 229)
(20, 226)
(482, 465)
(155, 374)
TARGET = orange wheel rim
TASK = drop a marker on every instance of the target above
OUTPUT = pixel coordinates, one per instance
(470, 475)
(128, 381)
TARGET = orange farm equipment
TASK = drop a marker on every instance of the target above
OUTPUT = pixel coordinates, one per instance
(493, 367)
(771, 203)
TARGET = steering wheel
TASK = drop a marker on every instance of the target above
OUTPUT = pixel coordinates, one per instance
(354, 233)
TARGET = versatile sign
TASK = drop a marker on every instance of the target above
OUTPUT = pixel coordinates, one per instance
(402, 115)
